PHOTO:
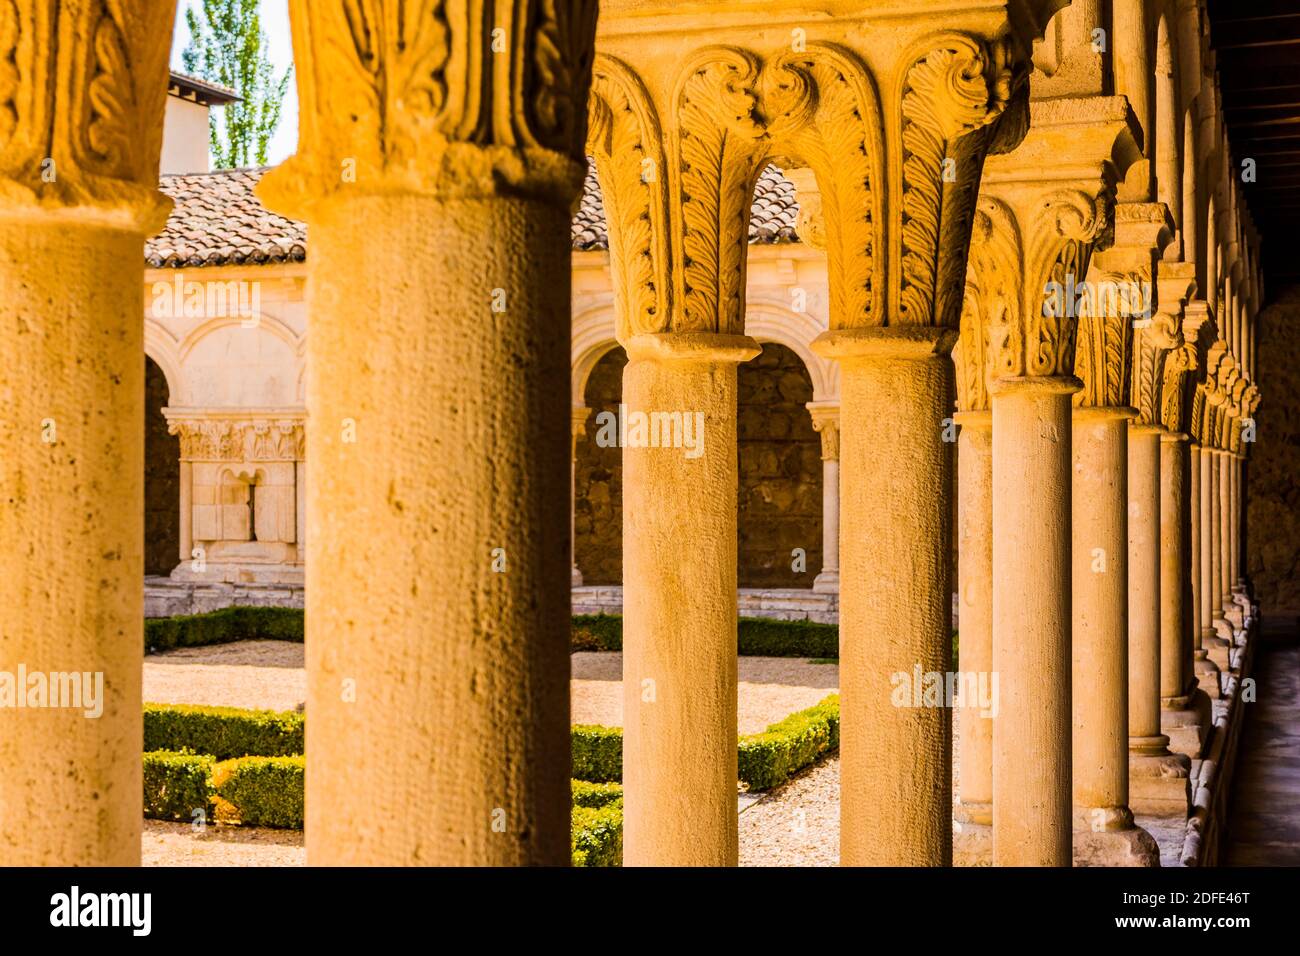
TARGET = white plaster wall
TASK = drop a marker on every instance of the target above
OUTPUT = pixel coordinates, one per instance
(185, 137)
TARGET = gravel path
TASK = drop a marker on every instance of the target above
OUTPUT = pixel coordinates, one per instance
(769, 689)
(271, 675)
(177, 844)
(797, 824)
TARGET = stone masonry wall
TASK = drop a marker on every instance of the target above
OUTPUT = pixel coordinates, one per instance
(1273, 471)
(780, 475)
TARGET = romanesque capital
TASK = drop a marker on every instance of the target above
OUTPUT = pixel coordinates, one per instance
(81, 131)
(826, 422)
(276, 435)
(1042, 209)
(889, 150)
(455, 99)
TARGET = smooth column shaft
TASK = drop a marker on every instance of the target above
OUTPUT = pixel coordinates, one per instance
(975, 586)
(1031, 624)
(1144, 582)
(1175, 629)
(438, 542)
(1100, 610)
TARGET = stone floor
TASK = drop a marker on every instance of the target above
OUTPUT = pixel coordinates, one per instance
(1265, 809)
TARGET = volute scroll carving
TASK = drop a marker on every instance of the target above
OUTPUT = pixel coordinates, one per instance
(82, 130)
(452, 99)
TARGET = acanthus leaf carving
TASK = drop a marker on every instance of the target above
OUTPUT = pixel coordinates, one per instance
(83, 128)
(824, 110)
(625, 137)
(453, 99)
(955, 89)
(718, 141)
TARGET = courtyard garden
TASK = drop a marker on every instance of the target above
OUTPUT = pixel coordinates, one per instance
(224, 735)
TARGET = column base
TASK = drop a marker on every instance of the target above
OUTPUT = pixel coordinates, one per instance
(1186, 722)
(1130, 846)
(1207, 675)
(1158, 783)
(576, 577)
(1220, 644)
(972, 834)
(828, 582)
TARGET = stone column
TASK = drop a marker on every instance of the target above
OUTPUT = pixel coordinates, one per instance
(1018, 324)
(973, 813)
(1184, 709)
(1158, 779)
(1206, 671)
(826, 422)
(679, 673)
(709, 107)
(1221, 642)
(894, 396)
(1104, 833)
(578, 422)
(187, 511)
(1103, 824)
(1031, 600)
(437, 603)
(85, 90)
(1224, 594)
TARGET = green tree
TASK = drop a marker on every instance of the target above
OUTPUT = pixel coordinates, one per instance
(229, 47)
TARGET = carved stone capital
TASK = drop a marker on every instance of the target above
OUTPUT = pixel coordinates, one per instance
(826, 422)
(211, 435)
(886, 158)
(1042, 209)
(452, 99)
(81, 130)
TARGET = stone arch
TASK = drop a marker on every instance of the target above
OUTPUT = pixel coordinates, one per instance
(162, 474)
(769, 322)
(598, 471)
(593, 337)
(161, 347)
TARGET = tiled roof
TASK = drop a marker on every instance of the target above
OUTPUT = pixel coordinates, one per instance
(218, 220)
(771, 218)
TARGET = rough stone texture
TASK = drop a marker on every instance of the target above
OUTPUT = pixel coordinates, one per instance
(1273, 506)
(780, 475)
(438, 570)
(162, 478)
(780, 472)
(71, 444)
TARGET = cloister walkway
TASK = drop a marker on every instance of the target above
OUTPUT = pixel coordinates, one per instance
(1265, 829)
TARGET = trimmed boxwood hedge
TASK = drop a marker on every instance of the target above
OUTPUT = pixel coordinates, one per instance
(597, 837)
(223, 732)
(176, 784)
(786, 747)
(263, 791)
(595, 794)
(222, 627)
(597, 753)
(763, 760)
(756, 636)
